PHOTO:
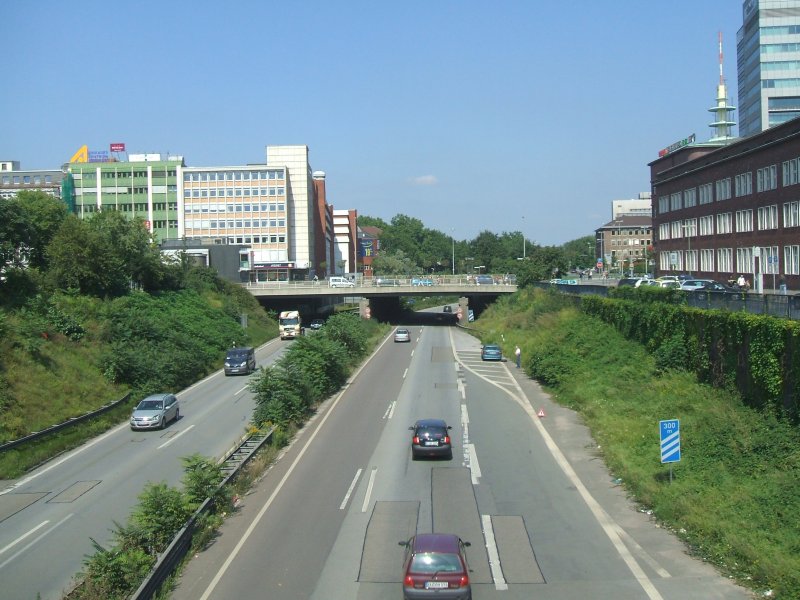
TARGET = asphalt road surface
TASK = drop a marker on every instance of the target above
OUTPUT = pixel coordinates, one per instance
(529, 492)
(48, 517)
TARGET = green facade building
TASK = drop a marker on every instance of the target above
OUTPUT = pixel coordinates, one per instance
(145, 187)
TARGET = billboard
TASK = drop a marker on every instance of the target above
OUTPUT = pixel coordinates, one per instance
(117, 147)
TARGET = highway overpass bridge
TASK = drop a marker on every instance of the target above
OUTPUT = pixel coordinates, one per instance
(380, 300)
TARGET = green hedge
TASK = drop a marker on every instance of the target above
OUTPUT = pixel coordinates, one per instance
(754, 354)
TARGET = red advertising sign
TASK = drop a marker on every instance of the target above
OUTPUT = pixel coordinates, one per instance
(118, 147)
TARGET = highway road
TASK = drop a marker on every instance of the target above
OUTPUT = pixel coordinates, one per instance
(543, 515)
(48, 517)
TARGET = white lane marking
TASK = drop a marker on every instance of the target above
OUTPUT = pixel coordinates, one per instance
(610, 527)
(464, 414)
(369, 489)
(254, 523)
(58, 463)
(350, 490)
(474, 467)
(32, 542)
(405, 373)
(494, 555)
(390, 410)
(23, 536)
(412, 354)
(175, 437)
(244, 389)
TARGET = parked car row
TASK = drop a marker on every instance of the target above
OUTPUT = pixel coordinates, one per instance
(682, 282)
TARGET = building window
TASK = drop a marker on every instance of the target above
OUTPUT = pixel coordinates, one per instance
(663, 231)
(724, 223)
(675, 201)
(744, 220)
(706, 194)
(706, 225)
(725, 260)
(791, 214)
(707, 260)
(676, 231)
(791, 172)
(723, 189)
(691, 260)
(769, 260)
(767, 178)
(743, 184)
(663, 204)
(690, 197)
(744, 260)
(791, 260)
(768, 217)
(690, 227)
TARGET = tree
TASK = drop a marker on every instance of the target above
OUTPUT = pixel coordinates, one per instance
(394, 264)
(27, 224)
(104, 255)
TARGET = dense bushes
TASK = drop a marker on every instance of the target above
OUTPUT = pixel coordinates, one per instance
(162, 511)
(313, 368)
(165, 341)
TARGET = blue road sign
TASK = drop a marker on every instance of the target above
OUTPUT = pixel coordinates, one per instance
(670, 440)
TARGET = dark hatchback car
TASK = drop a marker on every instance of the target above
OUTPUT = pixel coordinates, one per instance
(435, 566)
(431, 438)
(491, 352)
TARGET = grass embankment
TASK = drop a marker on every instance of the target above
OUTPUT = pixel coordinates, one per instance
(735, 496)
(70, 355)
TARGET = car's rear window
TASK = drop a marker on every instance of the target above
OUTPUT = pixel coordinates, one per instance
(433, 432)
(434, 562)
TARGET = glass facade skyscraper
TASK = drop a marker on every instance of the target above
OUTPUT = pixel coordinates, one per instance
(768, 64)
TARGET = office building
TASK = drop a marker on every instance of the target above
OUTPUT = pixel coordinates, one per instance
(635, 207)
(735, 209)
(13, 180)
(145, 186)
(768, 60)
(622, 244)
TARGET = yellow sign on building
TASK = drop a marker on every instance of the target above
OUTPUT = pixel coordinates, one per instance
(81, 156)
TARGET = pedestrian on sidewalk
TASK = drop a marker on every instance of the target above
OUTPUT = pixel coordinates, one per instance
(518, 354)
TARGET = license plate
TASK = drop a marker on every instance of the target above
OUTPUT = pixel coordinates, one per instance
(431, 443)
(435, 585)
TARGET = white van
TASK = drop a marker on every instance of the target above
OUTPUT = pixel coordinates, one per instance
(340, 282)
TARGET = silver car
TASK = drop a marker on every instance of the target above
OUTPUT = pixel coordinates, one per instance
(402, 335)
(154, 412)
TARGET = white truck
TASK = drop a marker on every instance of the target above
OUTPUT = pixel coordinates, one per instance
(290, 325)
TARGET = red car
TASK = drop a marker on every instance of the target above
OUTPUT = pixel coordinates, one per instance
(435, 566)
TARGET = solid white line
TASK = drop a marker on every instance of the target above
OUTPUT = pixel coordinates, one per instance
(610, 527)
(244, 389)
(23, 536)
(405, 373)
(369, 489)
(175, 437)
(494, 555)
(350, 490)
(240, 544)
(21, 550)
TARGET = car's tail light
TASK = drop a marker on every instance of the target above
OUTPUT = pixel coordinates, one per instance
(416, 439)
(408, 581)
(464, 581)
(447, 439)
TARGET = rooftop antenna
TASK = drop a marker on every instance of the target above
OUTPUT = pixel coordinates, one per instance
(721, 127)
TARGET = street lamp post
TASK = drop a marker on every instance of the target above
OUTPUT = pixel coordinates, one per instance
(453, 238)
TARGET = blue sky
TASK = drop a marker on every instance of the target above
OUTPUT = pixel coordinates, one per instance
(470, 116)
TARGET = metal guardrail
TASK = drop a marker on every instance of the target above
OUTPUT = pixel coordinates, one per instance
(65, 425)
(169, 560)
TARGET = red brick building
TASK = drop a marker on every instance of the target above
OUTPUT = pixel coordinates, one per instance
(722, 211)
